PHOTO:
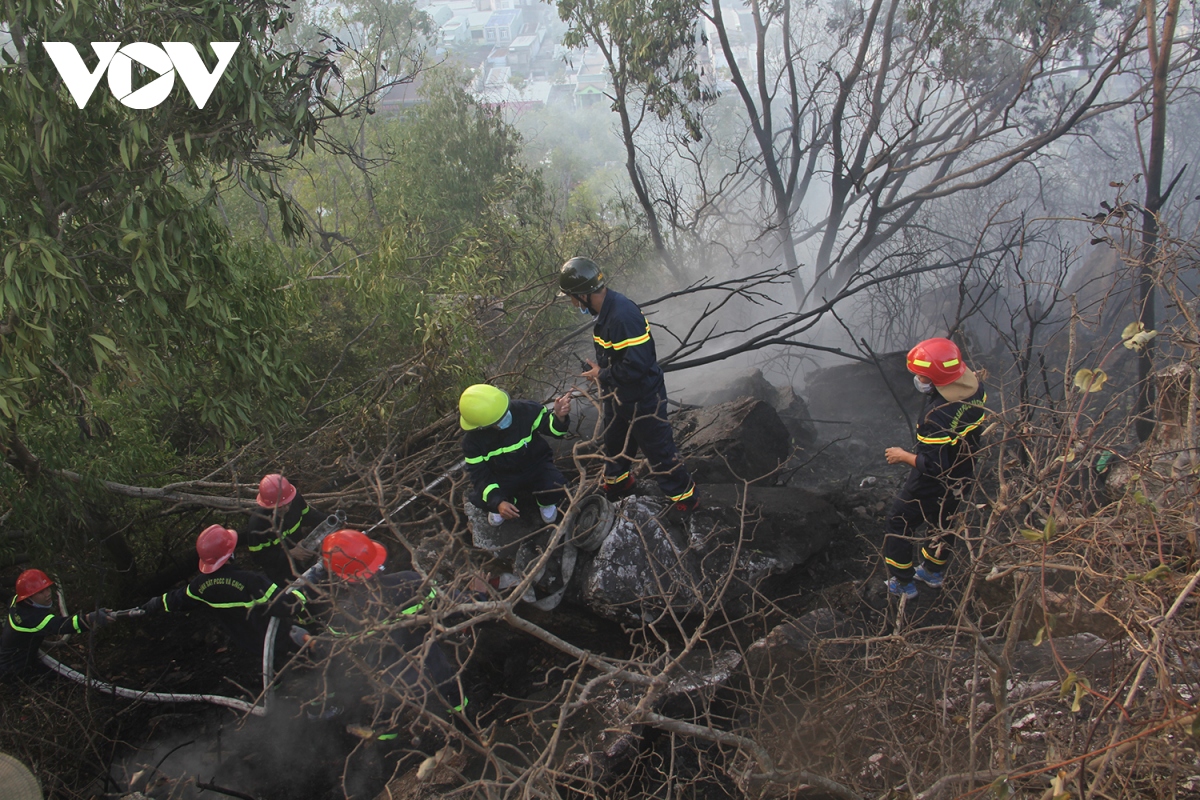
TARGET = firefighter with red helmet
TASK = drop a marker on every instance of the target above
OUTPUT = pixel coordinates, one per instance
(241, 601)
(30, 620)
(943, 465)
(271, 531)
(405, 662)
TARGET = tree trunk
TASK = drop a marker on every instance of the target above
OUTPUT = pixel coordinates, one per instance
(1160, 63)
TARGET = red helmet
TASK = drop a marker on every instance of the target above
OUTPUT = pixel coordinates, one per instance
(30, 582)
(937, 359)
(351, 555)
(274, 490)
(215, 546)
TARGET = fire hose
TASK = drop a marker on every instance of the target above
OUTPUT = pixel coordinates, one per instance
(311, 542)
(151, 697)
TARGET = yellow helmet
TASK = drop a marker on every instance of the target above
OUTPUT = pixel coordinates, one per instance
(481, 405)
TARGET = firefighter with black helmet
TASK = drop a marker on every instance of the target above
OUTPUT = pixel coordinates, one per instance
(634, 394)
(506, 455)
(30, 620)
(941, 469)
(241, 601)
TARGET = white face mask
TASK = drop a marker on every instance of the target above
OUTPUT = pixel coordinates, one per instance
(922, 387)
(505, 421)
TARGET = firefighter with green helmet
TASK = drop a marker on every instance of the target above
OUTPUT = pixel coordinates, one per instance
(634, 394)
(506, 455)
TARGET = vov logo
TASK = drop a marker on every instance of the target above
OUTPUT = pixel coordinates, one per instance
(166, 61)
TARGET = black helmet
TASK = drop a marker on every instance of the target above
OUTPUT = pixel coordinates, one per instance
(580, 276)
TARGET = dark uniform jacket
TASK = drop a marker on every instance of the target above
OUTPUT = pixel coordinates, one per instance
(241, 600)
(625, 351)
(495, 456)
(25, 628)
(268, 543)
(370, 616)
(947, 437)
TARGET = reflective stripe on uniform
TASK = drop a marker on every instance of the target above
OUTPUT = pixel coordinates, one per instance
(617, 479)
(553, 429)
(75, 623)
(932, 559)
(414, 609)
(691, 490)
(13, 622)
(891, 562)
(411, 610)
(512, 447)
(953, 436)
(636, 340)
(254, 548)
(245, 604)
(488, 490)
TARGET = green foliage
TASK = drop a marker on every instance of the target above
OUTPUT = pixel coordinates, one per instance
(980, 41)
(112, 260)
(650, 45)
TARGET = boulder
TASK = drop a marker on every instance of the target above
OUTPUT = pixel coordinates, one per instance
(863, 393)
(792, 409)
(740, 440)
(651, 562)
(800, 646)
(596, 740)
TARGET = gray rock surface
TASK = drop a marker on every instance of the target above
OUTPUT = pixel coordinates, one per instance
(859, 393)
(801, 645)
(792, 409)
(740, 440)
(652, 562)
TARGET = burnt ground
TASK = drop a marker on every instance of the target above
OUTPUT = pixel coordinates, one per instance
(86, 745)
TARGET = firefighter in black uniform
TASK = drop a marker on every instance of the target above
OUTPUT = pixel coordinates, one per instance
(30, 620)
(634, 394)
(947, 437)
(240, 600)
(391, 659)
(506, 454)
(270, 532)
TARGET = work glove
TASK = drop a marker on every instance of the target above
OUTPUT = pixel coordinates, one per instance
(299, 635)
(97, 619)
(153, 605)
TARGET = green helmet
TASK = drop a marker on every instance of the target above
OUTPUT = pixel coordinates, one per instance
(580, 276)
(481, 405)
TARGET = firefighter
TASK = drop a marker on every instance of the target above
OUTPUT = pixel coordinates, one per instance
(270, 532)
(506, 454)
(30, 620)
(370, 609)
(942, 468)
(240, 600)
(634, 395)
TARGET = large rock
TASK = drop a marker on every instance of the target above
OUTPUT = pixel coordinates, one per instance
(792, 409)
(863, 393)
(800, 647)
(742, 440)
(596, 741)
(651, 563)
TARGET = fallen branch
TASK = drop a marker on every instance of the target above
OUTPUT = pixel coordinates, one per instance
(149, 493)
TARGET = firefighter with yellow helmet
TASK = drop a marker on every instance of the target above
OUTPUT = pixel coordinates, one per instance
(506, 454)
